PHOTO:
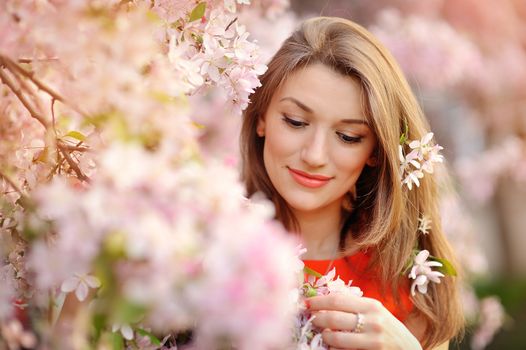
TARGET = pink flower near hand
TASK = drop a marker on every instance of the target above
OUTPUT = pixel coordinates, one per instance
(80, 283)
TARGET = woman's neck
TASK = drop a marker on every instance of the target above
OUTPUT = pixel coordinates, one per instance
(320, 232)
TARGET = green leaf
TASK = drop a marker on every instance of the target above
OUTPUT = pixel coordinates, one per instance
(198, 12)
(408, 265)
(99, 322)
(310, 292)
(128, 312)
(115, 245)
(76, 135)
(312, 272)
(152, 337)
(97, 120)
(177, 24)
(117, 341)
(446, 268)
(403, 137)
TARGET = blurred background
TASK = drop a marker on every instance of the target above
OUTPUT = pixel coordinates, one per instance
(466, 62)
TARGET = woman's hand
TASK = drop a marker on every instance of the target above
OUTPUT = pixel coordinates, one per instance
(337, 315)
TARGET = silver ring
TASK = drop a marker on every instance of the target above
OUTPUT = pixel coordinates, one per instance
(360, 321)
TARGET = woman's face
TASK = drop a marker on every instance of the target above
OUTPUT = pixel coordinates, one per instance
(317, 140)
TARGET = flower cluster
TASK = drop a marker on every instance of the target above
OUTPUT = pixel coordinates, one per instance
(306, 335)
(106, 183)
(407, 36)
(492, 317)
(157, 233)
(422, 272)
(420, 159)
(215, 47)
(507, 159)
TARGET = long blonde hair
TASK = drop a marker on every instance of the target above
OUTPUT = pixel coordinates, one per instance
(385, 215)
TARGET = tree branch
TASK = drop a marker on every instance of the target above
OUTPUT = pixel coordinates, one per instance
(20, 94)
(12, 183)
(72, 163)
(13, 66)
(73, 148)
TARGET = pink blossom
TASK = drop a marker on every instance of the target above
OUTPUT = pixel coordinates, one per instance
(492, 317)
(15, 336)
(422, 157)
(422, 273)
(80, 283)
(407, 36)
(7, 291)
(306, 336)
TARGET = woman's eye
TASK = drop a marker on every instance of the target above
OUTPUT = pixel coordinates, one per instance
(293, 122)
(348, 139)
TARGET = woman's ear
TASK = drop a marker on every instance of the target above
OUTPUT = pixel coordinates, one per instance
(260, 129)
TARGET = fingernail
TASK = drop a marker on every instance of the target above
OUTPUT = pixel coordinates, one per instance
(307, 304)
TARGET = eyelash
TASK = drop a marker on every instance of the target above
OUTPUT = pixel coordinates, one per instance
(348, 139)
(296, 124)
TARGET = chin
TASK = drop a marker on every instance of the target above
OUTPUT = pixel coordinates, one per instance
(303, 204)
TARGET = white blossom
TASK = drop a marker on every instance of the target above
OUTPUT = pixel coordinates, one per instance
(422, 273)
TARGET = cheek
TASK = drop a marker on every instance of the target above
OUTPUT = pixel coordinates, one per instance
(279, 144)
(350, 163)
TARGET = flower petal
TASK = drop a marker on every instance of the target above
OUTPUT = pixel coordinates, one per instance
(422, 288)
(427, 138)
(422, 256)
(421, 280)
(70, 284)
(433, 263)
(127, 332)
(92, 281)
(82, 291)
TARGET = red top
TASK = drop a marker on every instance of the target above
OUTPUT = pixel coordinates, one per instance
(353, 268)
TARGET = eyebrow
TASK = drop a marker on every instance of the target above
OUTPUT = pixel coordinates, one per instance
(298, 103)
(309, 110)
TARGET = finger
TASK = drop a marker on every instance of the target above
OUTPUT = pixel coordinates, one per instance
(335, 320)
(347, 340)
(339, 302)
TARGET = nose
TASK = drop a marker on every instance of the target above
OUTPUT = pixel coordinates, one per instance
(314, 152)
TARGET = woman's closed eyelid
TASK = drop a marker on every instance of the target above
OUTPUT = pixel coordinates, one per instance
(295, 123)
(348, 138)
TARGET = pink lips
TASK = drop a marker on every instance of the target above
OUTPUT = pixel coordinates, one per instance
(308, 180)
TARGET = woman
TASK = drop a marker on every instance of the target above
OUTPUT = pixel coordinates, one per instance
(321, 139)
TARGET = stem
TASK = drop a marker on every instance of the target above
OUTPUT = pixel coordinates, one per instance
(73, 148)
(53, 117)
(13, 66)
(60, 161)
(72, 163)
(12, 183)
(10, 64)
(30, 60)
(19, 93)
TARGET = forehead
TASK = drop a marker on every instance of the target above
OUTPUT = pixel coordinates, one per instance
(325, 91)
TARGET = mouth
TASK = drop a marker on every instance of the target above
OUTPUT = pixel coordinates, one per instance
(309, 180)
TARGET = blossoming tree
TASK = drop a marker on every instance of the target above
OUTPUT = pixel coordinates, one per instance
(106, 194)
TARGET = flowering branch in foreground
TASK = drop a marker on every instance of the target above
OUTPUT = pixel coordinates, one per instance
(306, 335)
